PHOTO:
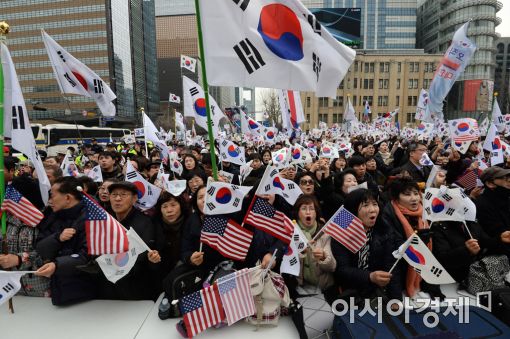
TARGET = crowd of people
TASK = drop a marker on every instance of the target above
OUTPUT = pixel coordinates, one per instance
(389, 206)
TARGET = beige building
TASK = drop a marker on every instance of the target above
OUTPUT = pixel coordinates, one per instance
(387, 79)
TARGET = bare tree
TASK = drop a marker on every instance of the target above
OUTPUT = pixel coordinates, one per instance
(271, 105)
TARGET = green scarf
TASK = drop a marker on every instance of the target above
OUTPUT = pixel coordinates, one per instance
(308, 268)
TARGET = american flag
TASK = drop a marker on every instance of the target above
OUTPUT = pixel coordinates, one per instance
(264, 217)
(21, 207)
(202, 309)
(347, 229)
(226, 236)
(105, 235)
(468, 179)
(235, 293)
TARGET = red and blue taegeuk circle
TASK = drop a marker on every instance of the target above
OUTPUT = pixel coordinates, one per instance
(121, 259)
(270, 135)
(463, 127)
(437, 205)
(281, 31)
(296, 153)
(252, 124)
(141, 188)
(200, 107)
(224, 195)
(232, 151)
(496, 144)
(278, 184)
(415, 255)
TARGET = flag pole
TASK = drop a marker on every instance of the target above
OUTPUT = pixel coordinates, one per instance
(4, 30)
(206, 92)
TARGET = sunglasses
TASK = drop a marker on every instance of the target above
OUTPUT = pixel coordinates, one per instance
(306, 182)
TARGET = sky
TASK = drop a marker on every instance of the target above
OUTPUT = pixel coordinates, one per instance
(504, 13)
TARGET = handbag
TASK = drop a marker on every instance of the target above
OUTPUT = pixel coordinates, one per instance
(487, 274)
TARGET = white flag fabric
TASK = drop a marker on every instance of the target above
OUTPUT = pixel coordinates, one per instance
(497, 117)
(174, 163)
(451, 67)
(188, 63)
(273, 183)
(244, 171)
(179, 121)
(299, 155)
(195, 106)
(443, 204)
(425, 129)
(116, 266)
(226, 175)
(10, 284)
(493, 144)
(269, 134)
(464, 129)
(248, 125)
(417, 255)
(271, 44)
(423, 101)
(151, 133)
(290, 261)
(425, 160)
(329, 150)
(232, 153)
(148, 193)
(16, 122)
(350, 113)
(74, 77)
(68, 166)
(223, 198)
(281, 159)
(291, 109)
(175, 187)
(173, 98)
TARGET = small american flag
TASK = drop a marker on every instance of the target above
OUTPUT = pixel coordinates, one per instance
(20, 207)
(105, 235)
(235, 293)
(202, 309)
(468, 179)
(347, 229)
(226, 236)
(264, 217)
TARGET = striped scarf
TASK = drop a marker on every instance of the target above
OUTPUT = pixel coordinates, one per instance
(364, 252)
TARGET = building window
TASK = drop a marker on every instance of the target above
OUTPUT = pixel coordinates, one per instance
(416, 66)
(398, 83)
(415, 83)
(355, 82)
(397, 101)
(410, 117)
(365, 84)
(354, 100)
(382, 100)
(339, 101)
(367, 66)
(372, 67)
(426, 83)
(381, 83)
(410, 83)
(323, 118)
(335, 118)
(341, 85)
(355, 66)
(308, 102)
(384, 67)
(412, 100)
(308, 118)
(371, 84)
(323, 102)
(399, 67)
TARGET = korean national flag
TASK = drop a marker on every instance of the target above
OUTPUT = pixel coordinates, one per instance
(9, 284)
(223, 198)
(148, 193)
(272, 44)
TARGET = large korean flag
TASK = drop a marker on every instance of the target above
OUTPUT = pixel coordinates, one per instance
(273, 44)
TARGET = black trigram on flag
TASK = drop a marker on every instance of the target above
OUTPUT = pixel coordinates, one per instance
(301, 246)
(8, 288)
(235, 188)
(267, 187)
(98, 86)
(149, 190)
(436, 271)
(71, 81)
(415, 240)
(293, 261)
(447, 197)
(131, 175)
(211, 206)
(450, 211)
(428, 195)
(211, 190)
(417, 270)
(193, 91)
(427, 209)
(61, 56)
(18, 118)
(291, 186)
(314, 23)
(500, 120)
(274, 172)
(224, 143)
(249, 55)
(296, 237)
(236, 202)
(243, 4)
(316, 65)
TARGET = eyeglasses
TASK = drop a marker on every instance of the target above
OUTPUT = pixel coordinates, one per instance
(120, 195)
(306, 182)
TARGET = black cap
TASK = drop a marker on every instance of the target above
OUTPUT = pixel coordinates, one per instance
(494, 172)
(125, 185)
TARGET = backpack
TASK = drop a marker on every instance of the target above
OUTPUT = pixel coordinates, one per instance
(487, 274)
(181, 281)
(269, 293)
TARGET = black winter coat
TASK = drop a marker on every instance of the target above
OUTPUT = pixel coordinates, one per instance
(449, 239)
(416, 174)
(68, 283)
(493, 212)
(349, 276)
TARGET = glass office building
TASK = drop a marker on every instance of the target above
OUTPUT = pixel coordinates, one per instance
(106, 35)
(385, 24)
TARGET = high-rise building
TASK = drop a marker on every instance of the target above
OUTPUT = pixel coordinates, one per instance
(387, 79)
(502, 75)
(385, 24)
(115, 38)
